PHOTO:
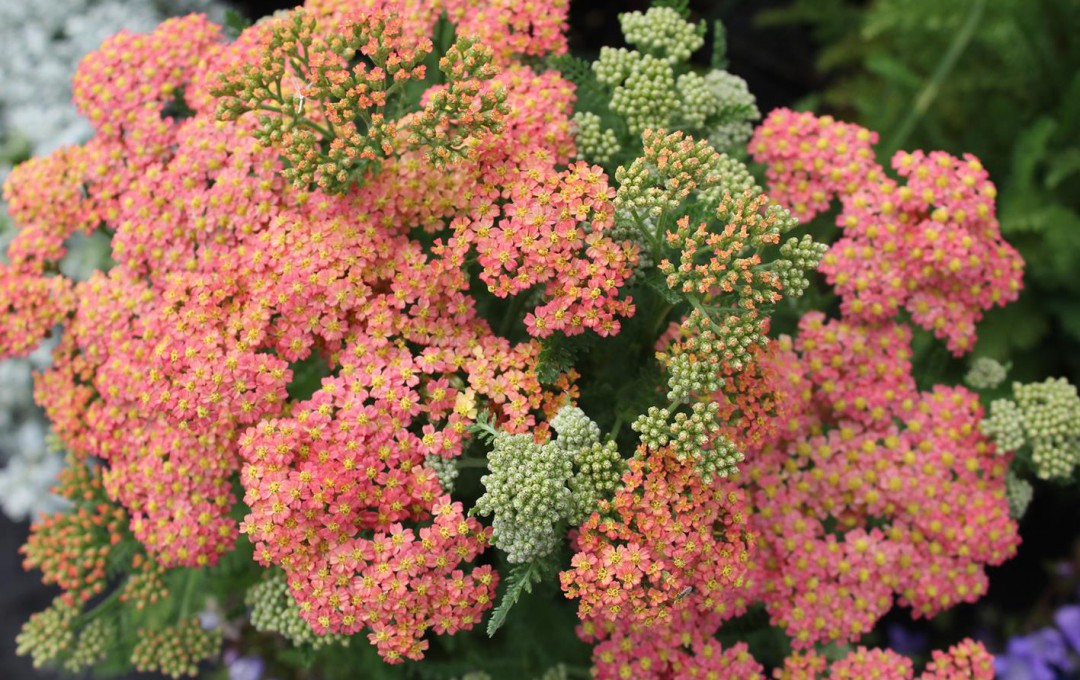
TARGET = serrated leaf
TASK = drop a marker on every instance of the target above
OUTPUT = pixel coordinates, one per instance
(719, 47)
(1064, 165)
(235, 22)
(556, 357)
(575, 69)
(520, 581)
(658, 282)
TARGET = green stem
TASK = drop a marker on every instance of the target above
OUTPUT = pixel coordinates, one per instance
(512, 314)
(658, 322)
(619, 420)
(188, 593)
(640, 224)
(107, 605)
(930, 91)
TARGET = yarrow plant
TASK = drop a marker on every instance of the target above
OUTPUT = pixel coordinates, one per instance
(389, 279)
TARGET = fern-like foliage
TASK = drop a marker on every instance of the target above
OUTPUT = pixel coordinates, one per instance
(520, 581)
(680, 6)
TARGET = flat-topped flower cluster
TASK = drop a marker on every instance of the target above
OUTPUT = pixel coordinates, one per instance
(315, 228)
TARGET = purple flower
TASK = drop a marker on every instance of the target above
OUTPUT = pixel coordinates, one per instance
(1008, 667)
(1068, 620)
(1034, 656)
(906, 641)
(245, 668)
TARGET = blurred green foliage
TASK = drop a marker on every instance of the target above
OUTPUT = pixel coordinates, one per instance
(999, 79)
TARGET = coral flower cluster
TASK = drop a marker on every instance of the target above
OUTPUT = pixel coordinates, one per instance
(178, 367)
(659, 568)
(352, 237)
(931, 246)
(870, 491)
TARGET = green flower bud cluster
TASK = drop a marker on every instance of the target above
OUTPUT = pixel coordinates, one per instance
(985, 374)
(1005, 425)
(325, 104)
(452, 116)
(647, 98)
(614, 65)
(145, 584)
(695, 363)
(674, 175)
(176, 651)
(1044, 416)
(688, 374)
(532, 488)
(719, 265)
(274, 610)
(49, 635)
(526, 491)
(1019, 492)
(445, 469)
(93, 645)
(798, 256)
(693, 436)
(594, 143)
(574, 429)
(675, 169)
(598, 467)
(653, 86)
(698, 102)
(662, 32)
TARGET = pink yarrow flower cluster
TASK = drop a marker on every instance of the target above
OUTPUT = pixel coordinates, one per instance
(966, 660)
(272, 222)
(931, 246)
(347, 459)
(177, 366)
(659, 568)
(871, 492)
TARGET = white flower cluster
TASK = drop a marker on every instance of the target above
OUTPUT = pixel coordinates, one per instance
(985, 374)
(30, 473)
(41, 44)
